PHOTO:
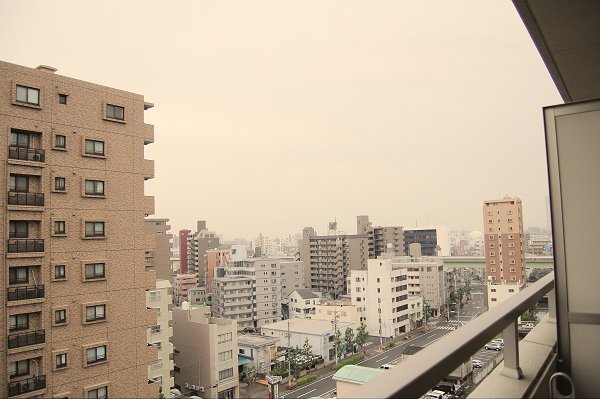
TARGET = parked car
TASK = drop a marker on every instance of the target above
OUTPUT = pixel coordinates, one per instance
(249, 330)
(498, 341)
(386, 366)
(477, 364)
(435, 395)
(494, 346)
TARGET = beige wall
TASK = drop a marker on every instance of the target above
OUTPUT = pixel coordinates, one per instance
(161, 255)
(196, 337)
(122, 208)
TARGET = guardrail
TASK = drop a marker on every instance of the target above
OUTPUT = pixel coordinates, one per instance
(412, 378)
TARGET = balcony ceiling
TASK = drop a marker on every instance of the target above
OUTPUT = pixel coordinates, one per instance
(567, 36)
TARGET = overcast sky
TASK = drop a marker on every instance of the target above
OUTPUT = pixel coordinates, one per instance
(275, 115)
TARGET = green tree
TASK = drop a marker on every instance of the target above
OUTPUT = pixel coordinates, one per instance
(530, 314)
(339, 343)
(349, 338)
(249, 374)
(307, 353)
(361, 336)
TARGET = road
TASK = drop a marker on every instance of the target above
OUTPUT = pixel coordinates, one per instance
(326, 385)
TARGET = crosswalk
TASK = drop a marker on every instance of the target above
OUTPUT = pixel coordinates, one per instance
(446, 328)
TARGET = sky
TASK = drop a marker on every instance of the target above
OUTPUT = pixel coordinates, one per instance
(274, 115)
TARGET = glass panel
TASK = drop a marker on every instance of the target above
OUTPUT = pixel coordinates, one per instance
(119, 113)
(21, 94)
(99, 147)
(89, 229)
(89, 187)
(99, 187)
(89, 147)
(33, 96)
(99, 229)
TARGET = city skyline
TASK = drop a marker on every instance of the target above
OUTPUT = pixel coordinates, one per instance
(271, 117)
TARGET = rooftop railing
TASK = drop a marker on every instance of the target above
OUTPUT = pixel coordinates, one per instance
(414, 377)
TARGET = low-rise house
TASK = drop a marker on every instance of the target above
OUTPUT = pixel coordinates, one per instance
(302, 303)
(260, 349)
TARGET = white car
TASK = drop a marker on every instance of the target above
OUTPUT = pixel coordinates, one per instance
(494, 346)
(477, 364)
(386, 366)
(498, 341)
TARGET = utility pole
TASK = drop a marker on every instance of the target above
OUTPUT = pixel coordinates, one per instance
(335, 330)
(380, 329)
(289, 354)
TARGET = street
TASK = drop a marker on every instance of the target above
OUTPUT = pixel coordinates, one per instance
(325, 386)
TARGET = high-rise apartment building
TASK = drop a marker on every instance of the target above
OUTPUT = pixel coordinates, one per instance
(382, 240)
(248, 291)
(74, 290)
(329, 259)
(159, 258)
(504, 248)
(184, 235)
(200, 242)
(181, 284)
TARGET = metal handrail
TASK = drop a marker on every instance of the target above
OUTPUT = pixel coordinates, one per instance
(415, 376)
(26, 339)
(18, 245)
(26, 154)
(23, 198)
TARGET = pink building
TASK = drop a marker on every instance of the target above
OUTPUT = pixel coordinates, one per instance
(181, 284)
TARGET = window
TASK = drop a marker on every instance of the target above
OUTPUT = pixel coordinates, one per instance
(60, 183)
(19, 183)
(60, 272)
(94, 187)
(98, 393)
(61, 360)
(16, 369)
(19, 322)
(28, 95)
(224, 356)
(224, 374)
(60, 227)
(96, 354)
(60, 141)
(94, 229)
(18, 229)
(60, 316)
(511, 290)
(226, 337)
(494, 300)
(19, 139)
(62, 98)
(94, 147)
(115, 112)
(18, 275)
(493, 290)
(94, 270)
(94, 313)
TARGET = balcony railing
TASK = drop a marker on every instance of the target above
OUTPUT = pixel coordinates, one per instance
(26, 154)
(29, 199)
(31, 384)
(412, 378)
(26, 339)
(20, 293)
(18, 245)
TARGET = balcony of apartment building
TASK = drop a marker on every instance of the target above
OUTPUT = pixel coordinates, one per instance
(24, 285)
(558, 357)
(25, 332)
(24, 239)
(24, 192)
(25, 148)
(26, 377)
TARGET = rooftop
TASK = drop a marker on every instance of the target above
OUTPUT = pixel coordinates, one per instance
(305, 293)
(306, 326)
(356, 374)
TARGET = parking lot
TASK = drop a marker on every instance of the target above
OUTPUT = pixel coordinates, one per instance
(485, 355)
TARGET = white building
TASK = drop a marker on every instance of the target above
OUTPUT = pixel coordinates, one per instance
(302, 303)
(161, 335)
(320, 334)
(381, 291)
(331, 310)
(426, 277)
(206, 356)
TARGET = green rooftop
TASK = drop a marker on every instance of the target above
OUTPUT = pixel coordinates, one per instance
(356, 374)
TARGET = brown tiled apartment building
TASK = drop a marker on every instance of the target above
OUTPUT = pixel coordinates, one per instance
(74, 283)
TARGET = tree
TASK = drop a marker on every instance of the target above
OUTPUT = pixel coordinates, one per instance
(530, 314)
(349, 338)
(307, 352)
(249, 374)
(537, 274)
(339, 343)
(361, 336)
